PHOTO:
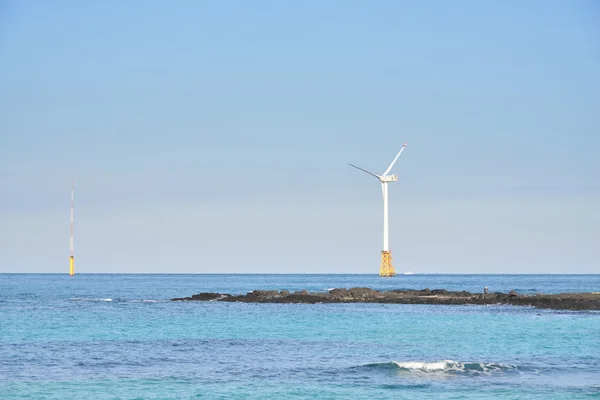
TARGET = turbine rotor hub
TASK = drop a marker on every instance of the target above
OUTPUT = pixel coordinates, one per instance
(389, 178)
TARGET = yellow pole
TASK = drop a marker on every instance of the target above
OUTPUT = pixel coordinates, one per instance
(71, 248)
(386, 268)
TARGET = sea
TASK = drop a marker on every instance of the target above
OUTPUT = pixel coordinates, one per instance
(110, 336)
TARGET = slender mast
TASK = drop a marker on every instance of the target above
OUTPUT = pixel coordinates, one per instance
(386, 244)
(71, 246)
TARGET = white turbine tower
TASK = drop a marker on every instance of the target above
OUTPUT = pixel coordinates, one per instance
(386, 268)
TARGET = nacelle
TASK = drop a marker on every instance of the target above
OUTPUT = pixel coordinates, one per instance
(389, 178)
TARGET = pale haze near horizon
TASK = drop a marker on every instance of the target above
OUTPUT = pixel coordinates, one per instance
(215, 137)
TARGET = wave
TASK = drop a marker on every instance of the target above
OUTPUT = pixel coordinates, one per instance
(89, 299)
(145, 301)
(99, 299)
(444, 366)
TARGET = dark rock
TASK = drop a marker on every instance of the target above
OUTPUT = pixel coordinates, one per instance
(564, 301)
(362, 293)
(264, 294)
(202, 297)
(303, 292)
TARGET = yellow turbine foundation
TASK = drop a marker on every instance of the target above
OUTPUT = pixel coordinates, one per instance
(71, 265)
(386, 268)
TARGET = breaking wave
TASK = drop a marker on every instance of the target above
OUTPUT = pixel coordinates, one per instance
(99, 299)
(89, 299)
(444, 366)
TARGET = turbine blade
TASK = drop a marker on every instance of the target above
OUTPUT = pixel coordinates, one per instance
(364, 170)
(394, 162)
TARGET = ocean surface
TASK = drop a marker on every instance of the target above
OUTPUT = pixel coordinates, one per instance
(104, 336)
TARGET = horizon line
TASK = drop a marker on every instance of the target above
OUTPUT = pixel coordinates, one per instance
(280, 273)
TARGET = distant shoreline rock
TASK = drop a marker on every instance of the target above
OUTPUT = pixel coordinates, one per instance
(563, 301)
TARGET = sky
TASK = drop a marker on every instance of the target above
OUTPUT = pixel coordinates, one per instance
(215, 136)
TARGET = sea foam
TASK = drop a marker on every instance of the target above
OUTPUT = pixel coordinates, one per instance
(444, 366)
(98, 299)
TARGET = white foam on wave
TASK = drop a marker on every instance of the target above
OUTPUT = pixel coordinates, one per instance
(452, 366)
(424, 366)
(90, 299)
(118, 300)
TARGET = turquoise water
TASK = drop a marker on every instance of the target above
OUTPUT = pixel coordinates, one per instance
(118, 337)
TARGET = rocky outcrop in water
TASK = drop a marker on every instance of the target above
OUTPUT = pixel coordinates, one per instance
(566, 301)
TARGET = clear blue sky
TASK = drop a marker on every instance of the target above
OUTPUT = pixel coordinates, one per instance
(215, 136)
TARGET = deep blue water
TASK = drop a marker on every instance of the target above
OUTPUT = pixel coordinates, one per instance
(118, 337)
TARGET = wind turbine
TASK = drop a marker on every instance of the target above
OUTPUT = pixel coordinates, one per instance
(71, 249)
(386, 268)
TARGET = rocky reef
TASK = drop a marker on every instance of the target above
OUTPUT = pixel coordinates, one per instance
(564, 301)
